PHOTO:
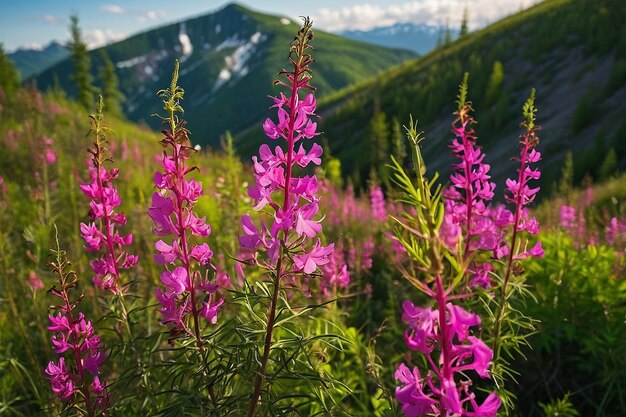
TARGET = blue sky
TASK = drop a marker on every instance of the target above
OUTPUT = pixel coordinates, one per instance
(37, 22)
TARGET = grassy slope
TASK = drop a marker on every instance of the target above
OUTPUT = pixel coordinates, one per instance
(572, 51)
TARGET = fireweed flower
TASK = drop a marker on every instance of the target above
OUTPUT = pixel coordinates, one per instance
(615, 231)
(189, 275)
(100, 235)
(335, 274)
(34, 282)
(283, 245)
(75, 376)
(443, 336)
(520, 193)
(468, 221)
(471, 189)
(377, 201)
(293, 199)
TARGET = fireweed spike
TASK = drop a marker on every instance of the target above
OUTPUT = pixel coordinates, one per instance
(289, 246)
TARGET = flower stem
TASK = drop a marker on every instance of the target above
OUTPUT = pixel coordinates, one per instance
(272, 308)
(509, 268)
(260, 377)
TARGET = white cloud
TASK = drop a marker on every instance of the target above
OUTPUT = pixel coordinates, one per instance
(36, 46)
(96, 38)
(48, 18)
(151, 15)
(112, 8)
(431, 12)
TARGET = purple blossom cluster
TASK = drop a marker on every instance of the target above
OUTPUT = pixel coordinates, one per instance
(443, 335)
(356, 225)
(470, 218)
(467, 199)
(377, 202)
(573, 220)
(187, 289)
(101, 234)
(335, 274)
(75, 376)
(615, 231)
(520, 194)
(471, 224)
(292, 198)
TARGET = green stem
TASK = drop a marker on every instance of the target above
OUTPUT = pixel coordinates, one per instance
(260, 377)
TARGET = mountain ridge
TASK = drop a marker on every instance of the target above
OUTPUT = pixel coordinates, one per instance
(419, 38)
(32, 61)
(230, 57)
(566, 49)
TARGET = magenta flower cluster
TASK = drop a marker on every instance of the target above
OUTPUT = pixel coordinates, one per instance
(520, 194)
(75, 377)
(470, 218)
(471, 190)
(293, 198)
(444, 337)
(377, 202)
(101, 234)
(187, 289)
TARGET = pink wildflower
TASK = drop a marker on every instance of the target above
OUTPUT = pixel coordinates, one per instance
(189, 267)
(34, 282)
(433, 332)
(615, 231)
(377, 201)
(101, 234)
(471, 189)
(293, 199)
(80, 351)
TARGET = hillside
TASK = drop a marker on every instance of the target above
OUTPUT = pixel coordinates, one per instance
(229, 58)
(31, 62)
(572, 51)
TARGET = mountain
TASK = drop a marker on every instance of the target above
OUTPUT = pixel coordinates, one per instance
(229, 60)
(419, 38)
(572, 51)
(32, 61)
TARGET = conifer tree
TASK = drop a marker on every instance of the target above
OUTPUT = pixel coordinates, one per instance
(82, 64)
(9, 76)
(398, 141)
(609, 165)
(566, 182)
(464, 23)
(110, 87)
(447, 35)
(496, 78)
(379, 142)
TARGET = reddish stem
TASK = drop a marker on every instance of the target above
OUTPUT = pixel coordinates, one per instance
(469, 194)
(75, 348)
(521, 178)
(272, 308)
(446, 371)
(183, 244)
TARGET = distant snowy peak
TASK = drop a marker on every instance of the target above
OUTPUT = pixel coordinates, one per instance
(420, 38)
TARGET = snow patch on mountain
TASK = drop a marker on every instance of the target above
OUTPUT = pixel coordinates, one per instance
(129, 63)
(185, 42)
(230, 42)
(236, 61)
